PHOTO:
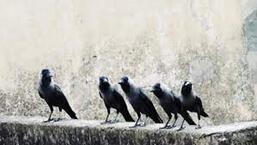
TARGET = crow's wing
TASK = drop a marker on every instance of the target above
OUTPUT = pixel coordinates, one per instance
(60, 97)
(63, 103)
(41, 95)
(121, 106)
(198, 102)
(148, 103)
(119, 99)
(149, 107)
(100, 95)
(178, 102)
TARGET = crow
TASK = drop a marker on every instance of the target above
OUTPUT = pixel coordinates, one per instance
(53, 95)
(113, 99)
(192, 102)
(139, 101)
(170, 104)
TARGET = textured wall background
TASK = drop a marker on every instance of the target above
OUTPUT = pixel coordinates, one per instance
(207, 42)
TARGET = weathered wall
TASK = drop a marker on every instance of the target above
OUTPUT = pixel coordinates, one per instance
(31, 131)
(166, 40)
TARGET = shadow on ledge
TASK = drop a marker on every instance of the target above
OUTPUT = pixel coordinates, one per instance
(31, 131)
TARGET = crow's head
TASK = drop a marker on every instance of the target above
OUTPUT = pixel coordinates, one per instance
(124, 80)
(157, 90)
(104, 84)
(103, 79)
(125, 84)
(46, 77)
(46, 74)
(186, 88)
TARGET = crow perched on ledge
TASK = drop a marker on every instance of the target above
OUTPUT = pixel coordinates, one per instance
(53, 95)
(170, 104)
(139, 101)
(113, 99)
(191, 102)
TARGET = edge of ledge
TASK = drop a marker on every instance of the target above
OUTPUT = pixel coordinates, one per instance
(205, 130)
(93, 132)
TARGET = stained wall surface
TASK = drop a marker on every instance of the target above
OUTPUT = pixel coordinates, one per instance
(211, 43)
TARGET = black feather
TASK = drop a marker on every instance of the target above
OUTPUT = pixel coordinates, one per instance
(53, 95)
(139, 100)
(113, 99)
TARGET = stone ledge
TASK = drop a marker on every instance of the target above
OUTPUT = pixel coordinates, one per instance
(31, 130)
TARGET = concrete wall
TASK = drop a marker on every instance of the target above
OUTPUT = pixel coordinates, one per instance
(31, 131)
(166, 40)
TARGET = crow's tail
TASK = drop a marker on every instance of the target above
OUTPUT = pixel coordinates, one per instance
(69, 111)
(188, 118)
(204, 114)
(156, 118)
(126, 115)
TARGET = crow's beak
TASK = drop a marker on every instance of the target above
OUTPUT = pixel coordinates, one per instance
(49, 76)
(152, 90)
(120, 82)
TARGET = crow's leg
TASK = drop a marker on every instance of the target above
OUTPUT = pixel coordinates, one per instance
(138, 118)
(167, 123)
(144, 122)
(116, 117)
(108, 114)
(51, 109)
(199, 118)
(174, 123)
(59, 118)
(181, 127)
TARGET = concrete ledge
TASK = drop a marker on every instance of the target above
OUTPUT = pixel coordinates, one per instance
(31, 131)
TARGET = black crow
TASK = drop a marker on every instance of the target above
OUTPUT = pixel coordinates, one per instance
(113, 99)
(191, 102)
(139, 101)
(53, 95)
(170, 104)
